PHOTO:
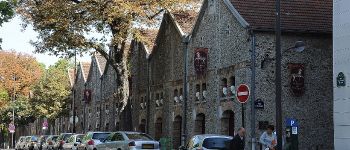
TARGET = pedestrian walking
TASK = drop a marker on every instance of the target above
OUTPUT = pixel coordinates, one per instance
(269, 139)
(238, 142)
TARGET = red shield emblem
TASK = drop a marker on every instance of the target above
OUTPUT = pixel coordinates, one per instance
(297, 79)
(200, 60)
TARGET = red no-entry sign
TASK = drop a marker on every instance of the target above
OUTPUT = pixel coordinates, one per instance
(242, 93)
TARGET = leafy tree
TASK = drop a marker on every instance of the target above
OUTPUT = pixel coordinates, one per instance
(26, 71)
(6, 12)
(51, 94)
(18, 72)
(67, 25)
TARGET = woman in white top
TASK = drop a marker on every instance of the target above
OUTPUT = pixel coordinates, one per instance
(269, 139)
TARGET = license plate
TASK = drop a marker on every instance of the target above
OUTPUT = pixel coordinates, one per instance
(147, 146)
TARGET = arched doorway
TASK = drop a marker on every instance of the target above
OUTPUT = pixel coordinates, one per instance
(199, 127)
(158, 129)
(177, 132)
(142, 126)
(228, 123)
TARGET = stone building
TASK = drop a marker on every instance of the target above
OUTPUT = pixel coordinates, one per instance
(79, 87)
(219, 59)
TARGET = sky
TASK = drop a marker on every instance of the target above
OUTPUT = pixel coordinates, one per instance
(14, 38)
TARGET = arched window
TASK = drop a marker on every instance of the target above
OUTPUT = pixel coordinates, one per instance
(198, 89)
(107, 127)
(228, 123)
(142, 126)
(232, 85)
(177, 129)
(176, 96)
(200, 124)
(224, 91)
(159, 129)
(204, 91)
(117, 126)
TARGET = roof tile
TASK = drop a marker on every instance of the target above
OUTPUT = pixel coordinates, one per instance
(296, 15)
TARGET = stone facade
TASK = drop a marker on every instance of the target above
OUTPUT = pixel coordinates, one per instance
(229, 40)
(157, 72)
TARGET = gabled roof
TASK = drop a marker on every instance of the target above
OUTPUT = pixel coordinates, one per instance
(296, 15)
(150, 35)
(101, 62)
(71, 76)
(85, 68)
(185, 19)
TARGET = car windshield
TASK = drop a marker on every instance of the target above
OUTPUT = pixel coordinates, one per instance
(66, 136)
(28, 139)
(34, 138)
(138, 136)
(99, 136)
(54, 138)
(217, 143)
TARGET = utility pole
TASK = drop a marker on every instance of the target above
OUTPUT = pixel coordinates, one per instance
(253, 59)
(73, 102)
(186, 40)
(13, 109)
(278, 99)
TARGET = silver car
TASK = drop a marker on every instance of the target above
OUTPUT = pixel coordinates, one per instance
(209, 142)
(50, 142)
(20, 143)
(92, 139)
(39, 144)
(129, 141)
(30, 142)
(73, 142)
(62, 138)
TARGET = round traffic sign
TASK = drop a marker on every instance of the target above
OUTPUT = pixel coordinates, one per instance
(12, 128)
(242, 93)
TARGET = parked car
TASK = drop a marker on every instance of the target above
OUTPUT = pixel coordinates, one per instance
(41, 141)
(73, 142)
(208, 142)
(50, 142)
(91, 139)
(30, 142)
(129, 141)
(20, 143)
(61, 140)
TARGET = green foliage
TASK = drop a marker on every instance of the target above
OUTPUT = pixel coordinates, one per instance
(24, 113)
(51, 94)
(6, 12)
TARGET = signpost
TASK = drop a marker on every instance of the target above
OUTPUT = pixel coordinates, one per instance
(242, 94)
(45, 125)
(12, 128)
(292, 133)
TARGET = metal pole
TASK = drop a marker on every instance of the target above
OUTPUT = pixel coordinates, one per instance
(185, 89)
(253, 93)
(148, 95)
(242, 108)
(73, 102)
(13, 109)
(278, 76)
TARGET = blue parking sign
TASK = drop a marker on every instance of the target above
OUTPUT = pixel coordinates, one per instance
(291, 122)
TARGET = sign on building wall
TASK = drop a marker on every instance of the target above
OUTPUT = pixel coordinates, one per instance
(87, 96)
(201, 60)
(341, 80)
(297, 79)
